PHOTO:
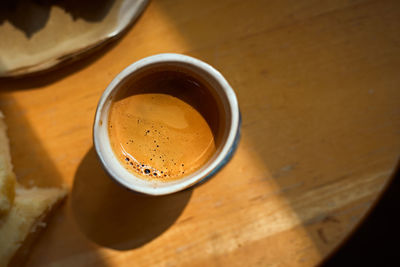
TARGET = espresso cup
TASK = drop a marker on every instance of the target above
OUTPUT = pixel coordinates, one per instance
(149, 80)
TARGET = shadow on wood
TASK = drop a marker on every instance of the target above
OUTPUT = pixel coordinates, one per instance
(115, 217)
(32, 164)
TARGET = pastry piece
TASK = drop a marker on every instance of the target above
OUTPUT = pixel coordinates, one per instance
(7, 177)
(23, 212)
(23, 223)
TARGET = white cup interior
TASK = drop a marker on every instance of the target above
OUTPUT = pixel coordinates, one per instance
(221, 90)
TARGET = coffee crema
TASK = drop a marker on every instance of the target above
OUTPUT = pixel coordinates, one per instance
(163, 125)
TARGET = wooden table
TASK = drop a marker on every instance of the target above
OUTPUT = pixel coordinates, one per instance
(319, 89)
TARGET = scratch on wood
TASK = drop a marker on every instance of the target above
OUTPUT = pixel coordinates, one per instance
(260, 197)
(186, 219)
(330, 218)
(284, 170)
(282, 190)
(322, 235)
(364, 205)
(290, 187)
(218, 204)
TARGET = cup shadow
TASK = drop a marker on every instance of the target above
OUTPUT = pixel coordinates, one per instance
(115, 217)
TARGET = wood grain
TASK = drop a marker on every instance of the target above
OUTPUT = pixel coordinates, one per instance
(319, 92)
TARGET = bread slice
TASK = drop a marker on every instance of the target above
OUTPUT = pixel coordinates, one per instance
(23, 212)
(27, 217)
(7, 177)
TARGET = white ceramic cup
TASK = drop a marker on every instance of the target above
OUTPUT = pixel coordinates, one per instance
(224, 150)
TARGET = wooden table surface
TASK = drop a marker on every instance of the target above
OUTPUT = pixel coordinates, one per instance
(318, 84)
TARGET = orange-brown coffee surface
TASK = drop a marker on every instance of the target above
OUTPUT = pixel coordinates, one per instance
(159, 135)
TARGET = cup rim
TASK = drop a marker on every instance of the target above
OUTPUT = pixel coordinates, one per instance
(216, 163)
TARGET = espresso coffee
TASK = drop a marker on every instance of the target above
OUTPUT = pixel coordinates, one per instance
(164, 125)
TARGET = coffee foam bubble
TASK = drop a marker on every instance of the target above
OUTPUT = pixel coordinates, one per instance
(147, 170)
(174, 170)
